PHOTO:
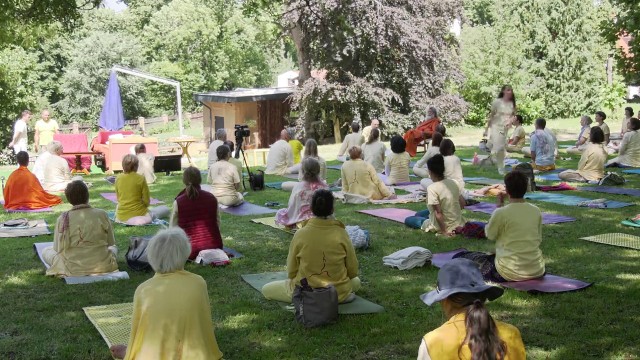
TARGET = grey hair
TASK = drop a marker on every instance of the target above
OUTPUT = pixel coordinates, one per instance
(311, 148)
(310, 169)
(588, 119)
(221, 134)
(54, 146)
(169, 250)
(433, 110)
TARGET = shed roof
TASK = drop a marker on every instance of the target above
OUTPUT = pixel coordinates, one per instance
(244, 95)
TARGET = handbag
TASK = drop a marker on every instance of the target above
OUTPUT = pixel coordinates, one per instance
(137, 253)
(315, 307)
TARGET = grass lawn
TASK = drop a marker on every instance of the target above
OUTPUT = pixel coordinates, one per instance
(42, 317)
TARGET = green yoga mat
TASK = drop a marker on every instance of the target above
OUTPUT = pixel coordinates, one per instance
(616, 239)
(357, 306)
(635, 224)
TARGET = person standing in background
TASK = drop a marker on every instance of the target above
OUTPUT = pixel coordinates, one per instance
(20, 130)
(45, 129)
(502, 110)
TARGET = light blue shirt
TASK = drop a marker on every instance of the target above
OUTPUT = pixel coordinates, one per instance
(548, 157)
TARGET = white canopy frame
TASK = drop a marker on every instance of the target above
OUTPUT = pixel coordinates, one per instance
(159, 79)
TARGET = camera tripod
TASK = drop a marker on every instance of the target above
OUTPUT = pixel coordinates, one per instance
(256, 181)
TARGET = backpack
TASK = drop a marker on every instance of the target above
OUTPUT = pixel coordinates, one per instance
(611, 178)
(137, 253)
(527, 170)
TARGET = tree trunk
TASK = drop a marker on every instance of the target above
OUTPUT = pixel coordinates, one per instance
(304, 66)
(336, 127)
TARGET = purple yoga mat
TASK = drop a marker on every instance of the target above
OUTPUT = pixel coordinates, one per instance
(247, 208)
(612, 190)
(112, 197)
(546, 284)
(393, 214)
(47, 209)
(547, 218)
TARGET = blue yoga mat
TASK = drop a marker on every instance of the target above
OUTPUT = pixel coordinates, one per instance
(570, 200)
(612, 190)
(632, 171)
(548, 177)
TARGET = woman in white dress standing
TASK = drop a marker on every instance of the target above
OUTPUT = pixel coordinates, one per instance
(502, 111)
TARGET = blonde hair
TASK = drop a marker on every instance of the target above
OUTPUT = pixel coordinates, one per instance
(311, 148)
(54, 146)
(169, 250)
(129, 163)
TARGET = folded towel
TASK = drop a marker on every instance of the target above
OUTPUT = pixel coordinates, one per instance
(408, 258)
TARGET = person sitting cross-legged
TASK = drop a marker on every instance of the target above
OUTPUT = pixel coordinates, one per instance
(40, 165)
(322, 253)
(299, 208)
(420, 168)
(591, 165)
(171, 311)
(360, 178)
(353, 139)
(517, 230)
(543, 147)
(56, 171)
(132, 193)
(196, 212)
(280, 157)
(516, 143)
(583, 136)
(83, 241)
(470, 331)
(373, 151)
(310, 151)
(452, 166)
(629, 150)
(232, 160)
(396, 165)
(444, 202)
(23, 190)
(225, 181)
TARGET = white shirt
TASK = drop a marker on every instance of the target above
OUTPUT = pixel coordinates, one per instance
(56, 174)
(453, 170)
(213, 156)
(20, 143)
(353, 139)
(40, 165)
(373, 153)
(224, 177)
(280, 158)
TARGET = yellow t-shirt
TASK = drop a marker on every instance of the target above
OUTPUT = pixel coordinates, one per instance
(172, 319)
(132, 193)
(444, 342)
(445, 193)
(322, 253)
(517, 230)
(398, 167)
(238, 164)
(224, 176)
(46, 130)
(519, 132)
(591, 165)
(296, 147)
(359, 177)
(630, 149)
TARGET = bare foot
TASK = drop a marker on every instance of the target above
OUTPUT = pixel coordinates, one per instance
(118, 351)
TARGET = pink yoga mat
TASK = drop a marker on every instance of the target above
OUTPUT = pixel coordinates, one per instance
(489, 208)
(47, 209)
(112, 197)
(546, 284)
(393, 214)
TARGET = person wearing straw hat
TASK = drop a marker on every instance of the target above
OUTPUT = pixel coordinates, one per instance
(470, 332)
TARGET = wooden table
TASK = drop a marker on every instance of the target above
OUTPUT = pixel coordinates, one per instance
(255, 153)
(79, 155)
(184, 143)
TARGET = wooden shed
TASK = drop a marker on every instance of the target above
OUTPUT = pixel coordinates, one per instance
(264, 110)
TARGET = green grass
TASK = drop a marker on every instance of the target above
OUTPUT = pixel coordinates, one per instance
(42, 317)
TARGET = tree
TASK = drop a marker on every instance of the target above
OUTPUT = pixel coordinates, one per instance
(388, 59)
(625, 23)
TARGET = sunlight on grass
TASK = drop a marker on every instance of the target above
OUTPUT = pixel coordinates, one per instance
(239, 321)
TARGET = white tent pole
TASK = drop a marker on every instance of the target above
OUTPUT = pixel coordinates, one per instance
(148, 76)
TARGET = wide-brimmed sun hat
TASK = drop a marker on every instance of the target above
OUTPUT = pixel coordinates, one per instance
(460, 276)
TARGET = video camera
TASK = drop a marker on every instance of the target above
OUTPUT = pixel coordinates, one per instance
(242, 131)
(256, 180)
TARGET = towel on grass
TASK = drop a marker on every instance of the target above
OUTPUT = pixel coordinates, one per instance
(414, 256)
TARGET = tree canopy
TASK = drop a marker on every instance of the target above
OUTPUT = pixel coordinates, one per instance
(625, 22)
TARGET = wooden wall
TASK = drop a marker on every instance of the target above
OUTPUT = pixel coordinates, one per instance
(271, 120)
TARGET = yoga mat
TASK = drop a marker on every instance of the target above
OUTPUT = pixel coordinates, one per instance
(616, 239)
(548, 177)
(393, 214)
(561, 146)
(547, 218)
(630, 223)
(274, 185)
(546, 284)
(112, 179)
(155, 222)
(233, 254)
(271, 222)
(112, 197)
(632, 171)
(291, 176)
(334, 167)
(485, 181)
(507, 162)
(469, 179)
(570, 200)
(34, 228)
(113, 322)
(358, 306)
(74, 280)
(247, 208)
(612, 190)
(25, 210)
(409, 187)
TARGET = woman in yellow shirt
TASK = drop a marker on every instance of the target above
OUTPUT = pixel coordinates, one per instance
(517, 230)
(360, 178)
(471, 332)
(396, 165)
(132, 193)
(591, 165)
(171, 311)
(321, 252)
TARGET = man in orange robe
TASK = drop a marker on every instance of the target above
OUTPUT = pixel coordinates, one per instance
(23, 190)
(422, 132)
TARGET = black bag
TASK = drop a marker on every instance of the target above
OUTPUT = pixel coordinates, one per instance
(315, 307)
(256, 180)
(527, 170)
(137, 253)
